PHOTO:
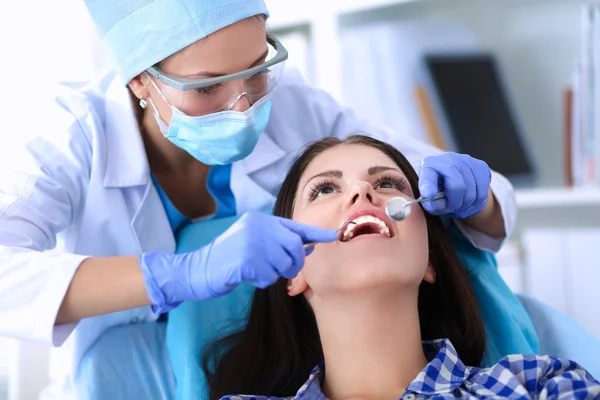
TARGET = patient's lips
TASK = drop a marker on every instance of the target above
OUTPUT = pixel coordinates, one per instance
(367, 222)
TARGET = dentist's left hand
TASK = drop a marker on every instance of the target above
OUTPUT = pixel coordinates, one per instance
(464, 180)
(258, 249)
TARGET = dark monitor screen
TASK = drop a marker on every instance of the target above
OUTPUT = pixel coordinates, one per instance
(477, 112)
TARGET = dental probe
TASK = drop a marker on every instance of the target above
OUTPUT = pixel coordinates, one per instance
(309, 245)
(398, 208)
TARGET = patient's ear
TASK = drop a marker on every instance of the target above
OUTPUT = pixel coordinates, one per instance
(296, 285)
(430, 274)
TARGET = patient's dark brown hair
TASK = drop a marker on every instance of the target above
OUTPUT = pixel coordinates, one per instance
(275, 352)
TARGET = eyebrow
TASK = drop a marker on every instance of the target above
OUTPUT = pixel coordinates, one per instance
(206, 74)
(334, 173)
(379, 169)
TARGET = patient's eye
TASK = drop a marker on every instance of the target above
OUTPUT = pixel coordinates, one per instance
(387, 185)
(322, 188)
(391, 182)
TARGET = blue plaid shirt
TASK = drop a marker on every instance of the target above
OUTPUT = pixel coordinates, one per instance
(446, 377)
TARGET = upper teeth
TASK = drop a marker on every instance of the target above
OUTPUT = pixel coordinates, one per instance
(362, 220)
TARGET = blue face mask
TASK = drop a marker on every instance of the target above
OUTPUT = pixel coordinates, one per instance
(220, 138)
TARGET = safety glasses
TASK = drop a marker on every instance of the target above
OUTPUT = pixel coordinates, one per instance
(276, 54)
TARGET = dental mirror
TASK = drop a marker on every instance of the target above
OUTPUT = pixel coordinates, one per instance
(398, 208)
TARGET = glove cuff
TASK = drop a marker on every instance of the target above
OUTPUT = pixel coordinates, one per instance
(155, 294)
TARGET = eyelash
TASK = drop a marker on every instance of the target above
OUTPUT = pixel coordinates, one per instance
(208, 89)
(399, 184)
(317, 187)
(260, 74)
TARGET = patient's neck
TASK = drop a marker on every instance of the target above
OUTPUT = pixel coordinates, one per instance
(371, 342)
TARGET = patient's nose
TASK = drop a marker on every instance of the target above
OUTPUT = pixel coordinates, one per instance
(361, 191)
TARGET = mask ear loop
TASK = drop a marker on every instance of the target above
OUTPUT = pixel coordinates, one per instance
(157, 88)
(164, 127)
(154, 109)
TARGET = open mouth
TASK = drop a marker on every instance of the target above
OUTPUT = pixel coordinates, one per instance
(365, 225)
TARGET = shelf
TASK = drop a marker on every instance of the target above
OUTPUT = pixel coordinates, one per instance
(354, 6)
(558, 197)
(288, 15)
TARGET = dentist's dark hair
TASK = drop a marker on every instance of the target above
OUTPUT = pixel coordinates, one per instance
(275, 352)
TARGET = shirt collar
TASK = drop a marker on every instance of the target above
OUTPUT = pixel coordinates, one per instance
(444, 372)
(312, 387)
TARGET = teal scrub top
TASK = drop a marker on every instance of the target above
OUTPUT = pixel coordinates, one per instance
(218, 185)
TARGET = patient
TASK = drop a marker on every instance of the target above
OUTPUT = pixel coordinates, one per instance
(387, 311)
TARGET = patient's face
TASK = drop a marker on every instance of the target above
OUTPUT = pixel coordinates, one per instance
(355, 183)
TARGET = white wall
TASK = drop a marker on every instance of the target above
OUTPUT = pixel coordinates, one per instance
(42, 42)
(537, 42)
(4, 367)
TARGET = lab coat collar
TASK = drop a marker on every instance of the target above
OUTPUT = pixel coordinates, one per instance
(126, 161)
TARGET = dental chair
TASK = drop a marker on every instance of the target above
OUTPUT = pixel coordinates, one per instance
(561, 336)
(143, 361)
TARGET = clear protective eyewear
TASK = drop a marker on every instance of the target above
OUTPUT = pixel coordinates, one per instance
(196, 97)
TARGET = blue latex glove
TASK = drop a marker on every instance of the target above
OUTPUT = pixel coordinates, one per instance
(258, 249)
(464, 180)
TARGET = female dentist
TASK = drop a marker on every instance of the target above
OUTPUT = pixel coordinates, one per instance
(88, 213)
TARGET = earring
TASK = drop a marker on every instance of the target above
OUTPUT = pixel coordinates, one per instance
(143, 103)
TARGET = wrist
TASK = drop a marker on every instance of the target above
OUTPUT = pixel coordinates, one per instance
(151, 265)
(490, 219)
(210, 287)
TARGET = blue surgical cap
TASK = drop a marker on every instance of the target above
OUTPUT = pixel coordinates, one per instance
(139, 33)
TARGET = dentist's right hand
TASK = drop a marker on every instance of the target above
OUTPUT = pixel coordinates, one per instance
(258, 249)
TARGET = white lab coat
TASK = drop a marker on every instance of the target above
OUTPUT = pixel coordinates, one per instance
(82, 188)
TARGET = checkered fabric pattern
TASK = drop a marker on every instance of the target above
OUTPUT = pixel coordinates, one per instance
(521, 376)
